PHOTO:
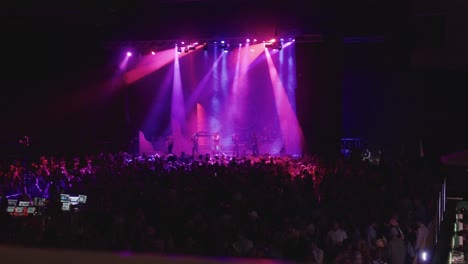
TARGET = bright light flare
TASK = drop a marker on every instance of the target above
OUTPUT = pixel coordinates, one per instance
(424, 256)
(129, 54)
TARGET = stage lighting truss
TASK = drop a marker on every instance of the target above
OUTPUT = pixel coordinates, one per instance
(226, 44)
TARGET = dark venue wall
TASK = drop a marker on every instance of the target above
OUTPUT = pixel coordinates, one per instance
(319, 94)
(379, 105)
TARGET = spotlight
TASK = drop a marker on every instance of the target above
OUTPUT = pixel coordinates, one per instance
(205, 46)
(247, 40)
(129, 54)
(186, 49)
(153, 53)
(179, 49)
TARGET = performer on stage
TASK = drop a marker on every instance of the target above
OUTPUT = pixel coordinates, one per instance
(195, 144)
(235, 142)
(283, 150)
(255, 151)
(170, 144)
(216, 142)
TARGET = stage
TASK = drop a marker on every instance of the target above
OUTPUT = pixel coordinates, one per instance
(243, 87)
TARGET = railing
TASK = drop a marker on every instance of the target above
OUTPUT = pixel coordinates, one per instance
(436, 228)
(440, 211)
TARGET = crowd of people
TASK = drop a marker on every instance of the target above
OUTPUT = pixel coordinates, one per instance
(304, 209)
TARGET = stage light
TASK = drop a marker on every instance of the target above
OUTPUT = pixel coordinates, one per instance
(273, 44)
(205, 46)
(186, 49)
(129, 54)
(224, 46)
(247, 40)
(179, 49)
(153, 53)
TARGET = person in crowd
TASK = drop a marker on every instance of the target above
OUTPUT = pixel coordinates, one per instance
(35, 188)
(316, 255)
(421, 236)
(335, 238)
(362, 253)
(25, 196)
(242, 246)
(345, 253)
(371, 233)
(396, 247)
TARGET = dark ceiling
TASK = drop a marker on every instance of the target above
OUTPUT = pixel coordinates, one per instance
(162, 19)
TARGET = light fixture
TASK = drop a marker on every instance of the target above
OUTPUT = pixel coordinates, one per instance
(275, 45)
